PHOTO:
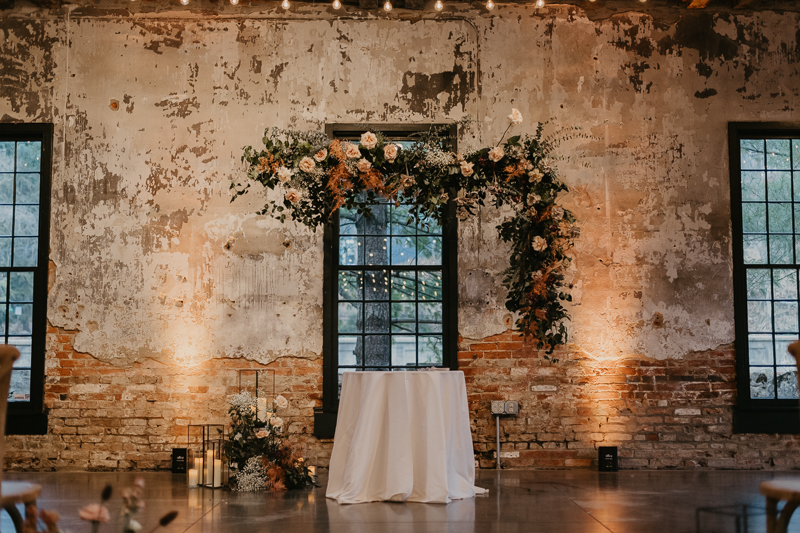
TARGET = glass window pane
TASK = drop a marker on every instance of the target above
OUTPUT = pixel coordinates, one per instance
(3, 309)
(376, 285)
(762, 383)
(6, 188)
(754, 217)
(429, 250)
(21, 287)
(29, 154)
(351, 285)
(20, 390)
(5, 252)
(26, 220)
(760, 349)
(6, 218)
(796, 178)
(779, 186)
(3, 285)
(376, 318)
(787, 383)
(404, 350)
(781, 249)
(752, 152)
(796, 154)
(430, 350)
(349, 318)
(377, 224)
(404, 318)
(778, 154)
(351, 250)
(430, 317)
(404, 251)
(377, 350)
(754, 187)
(20, 319)
(786, 317)
(758, 284)
(755, 249)
(25, 250)
(780, 218)
(759, 316)
(348, 345)
(430, 285)
(7, 156)
(785, 284)
(402, 222)
(376, 251)
(23, 344)
(430, 227)
(27, 189)
(350, 222)
(782, 356)
(404, 285)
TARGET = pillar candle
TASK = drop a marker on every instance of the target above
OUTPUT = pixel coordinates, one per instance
(198, 465)
(209, 466)
(312, 470)
(217, 472)
(192, 477)
(262, 409)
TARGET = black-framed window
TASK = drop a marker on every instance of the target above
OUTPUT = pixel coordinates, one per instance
(390, 287)
(25, 166)
(765, 210)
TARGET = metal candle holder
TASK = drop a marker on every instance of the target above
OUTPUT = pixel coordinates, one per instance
(266, 404)
(211, 464)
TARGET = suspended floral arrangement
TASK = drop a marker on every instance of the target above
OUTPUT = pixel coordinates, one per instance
(315, 176)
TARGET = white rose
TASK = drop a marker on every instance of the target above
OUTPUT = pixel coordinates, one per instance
(558, 213)
(363, 165)
(466, 169)
(515, 117)
(321, 155)
(536, 276)
(539, 244)
(293, 195)
(535, 175)
(307, 164)
(238, 436)
(496, 154)
(368, 140)
(352, 151)
(262, 434)
(284, 174)
(281, 402)
(390, 152)
(533, 199)
(276, 421)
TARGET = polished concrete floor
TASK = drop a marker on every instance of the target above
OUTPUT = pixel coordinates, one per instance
(518, 501)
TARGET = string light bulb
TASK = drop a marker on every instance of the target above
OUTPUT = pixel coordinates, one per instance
(285, 4)
(387, 6)
(185, 2)
(438, 6)
(539, 3)
(336, 4)
(489, 5)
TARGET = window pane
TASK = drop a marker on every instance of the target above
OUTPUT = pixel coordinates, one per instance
(20, 390)
(430, 285)
(785, 284)
(402, 222)
(7, 156)
(759, 316)
(377, 224)
(23, 344)
(429, 251)
(404, 350)
(404, 284)
(778, 156)
(782, 356)
(6, 218)
(430, 350)
(785, 317)
(780, 218)
(26, 220)
(6, 188)
(5, 252)
(3, 309)
(377, 350)
(430, 317)
(3, 279)
(28, 156)
(25, 250)
(781, 249)
(21, 289)
(351, 250)
(27, 188)
(753, 187)
(796, 154)
(404, 251)
(376, 250)
(787, 383)
(376, 318)
(779, 186)
(349, 318)
(760, 349)
(758, 284)
(347, 350)
(755, 249)
(20, 319)
(754, 217)
(752, 152)
(404, 318)
(350, 222)
(351, 285)
(762, 384)
(376, 285)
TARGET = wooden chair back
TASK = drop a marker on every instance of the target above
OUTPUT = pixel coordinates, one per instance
(8, 354)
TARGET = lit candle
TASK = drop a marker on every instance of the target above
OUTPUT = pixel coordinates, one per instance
(192, 477)
(209, 466)
(198, 465)
(217, 472)
(262, 409)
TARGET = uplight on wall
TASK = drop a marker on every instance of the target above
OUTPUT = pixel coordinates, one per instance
(387, 6)
(285, 4)
(185, 2)
(336, 4)
(234, 2)
(489, 5)
(438, 6)
(539, 3)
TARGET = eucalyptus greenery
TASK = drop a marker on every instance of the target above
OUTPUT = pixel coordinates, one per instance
(315, 176)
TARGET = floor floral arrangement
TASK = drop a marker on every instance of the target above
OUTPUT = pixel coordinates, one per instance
(315, 176)
(259, 457)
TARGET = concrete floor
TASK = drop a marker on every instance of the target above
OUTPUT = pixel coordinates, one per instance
(518, 501)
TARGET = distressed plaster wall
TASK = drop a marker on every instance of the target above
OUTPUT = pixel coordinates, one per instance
(161, 288)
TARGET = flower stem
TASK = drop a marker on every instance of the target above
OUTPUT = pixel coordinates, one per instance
(503, 135)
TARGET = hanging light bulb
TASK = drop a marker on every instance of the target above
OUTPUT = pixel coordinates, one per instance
(336, 4)
(438, 6)
(285, 4)
(387, 6)
(489, 5)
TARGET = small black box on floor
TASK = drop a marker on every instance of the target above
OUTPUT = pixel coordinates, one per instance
(607, 459)
(178, 460)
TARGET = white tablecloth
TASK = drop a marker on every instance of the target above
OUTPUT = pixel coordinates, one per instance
(402, 436)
